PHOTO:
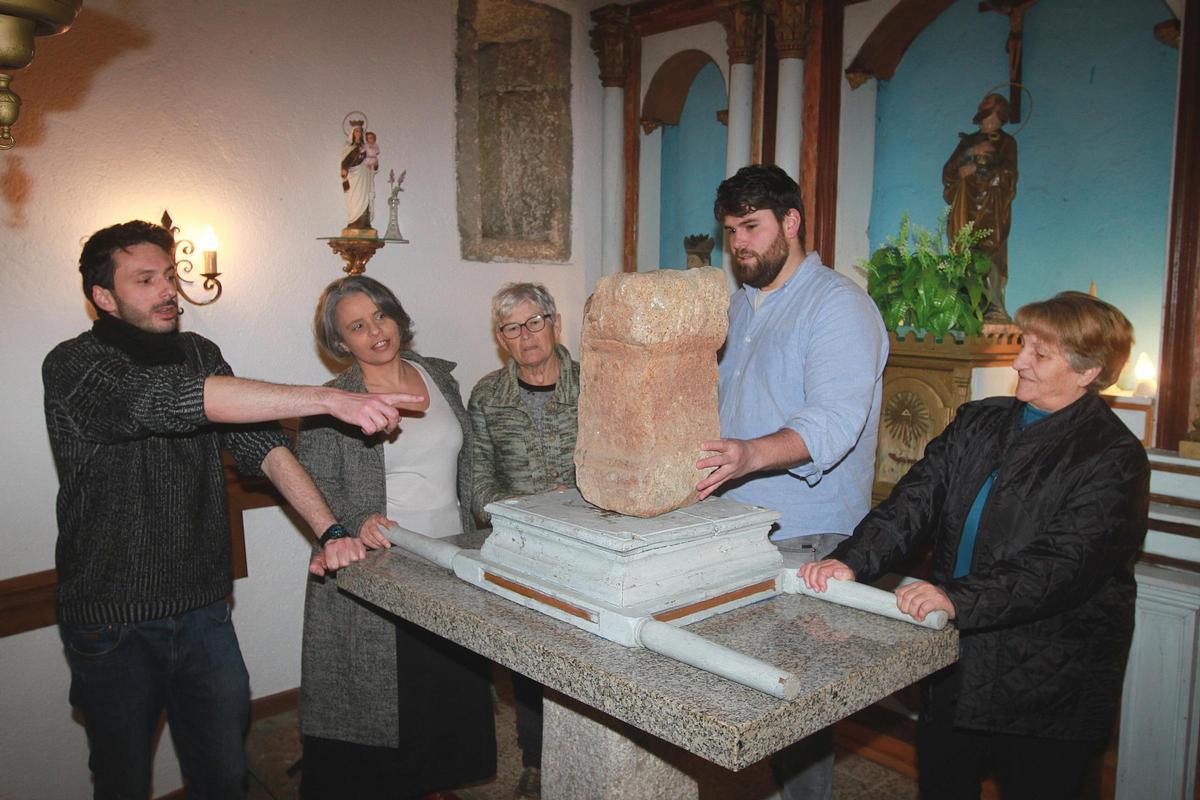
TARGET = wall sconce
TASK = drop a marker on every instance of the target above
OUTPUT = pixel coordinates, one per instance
(1147, 377)
(184, 266)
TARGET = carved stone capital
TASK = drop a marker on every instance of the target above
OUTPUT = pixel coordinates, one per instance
(740, 19)
(611, 40)
(792, 24)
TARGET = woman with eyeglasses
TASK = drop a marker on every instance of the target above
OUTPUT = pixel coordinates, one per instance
(524, 417)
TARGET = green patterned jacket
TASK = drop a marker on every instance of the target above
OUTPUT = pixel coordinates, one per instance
(510, 458)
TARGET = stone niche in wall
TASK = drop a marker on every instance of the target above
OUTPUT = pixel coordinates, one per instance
(514, 131)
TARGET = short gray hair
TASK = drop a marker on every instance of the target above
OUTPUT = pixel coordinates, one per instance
(512, 295)
(325, 321)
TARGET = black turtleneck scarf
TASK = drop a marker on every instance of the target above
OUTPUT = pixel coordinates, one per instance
(145, 348)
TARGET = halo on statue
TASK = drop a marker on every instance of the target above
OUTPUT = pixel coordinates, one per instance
(357, 117)
(1010, 84)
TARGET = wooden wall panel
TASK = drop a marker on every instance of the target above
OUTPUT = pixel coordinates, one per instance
(1179, 386)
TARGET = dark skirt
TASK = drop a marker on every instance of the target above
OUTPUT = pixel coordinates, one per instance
(447, 730)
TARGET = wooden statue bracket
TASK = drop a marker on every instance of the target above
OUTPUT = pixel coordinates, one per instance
(924, 383)
(356, 251)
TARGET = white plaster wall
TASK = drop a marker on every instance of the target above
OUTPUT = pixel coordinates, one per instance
(856, 145)
(649, 200)
(229, 113)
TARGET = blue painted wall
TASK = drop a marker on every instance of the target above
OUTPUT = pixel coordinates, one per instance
(693, 165)
(1094, 161)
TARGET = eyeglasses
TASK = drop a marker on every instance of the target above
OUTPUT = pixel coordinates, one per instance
(534, 324)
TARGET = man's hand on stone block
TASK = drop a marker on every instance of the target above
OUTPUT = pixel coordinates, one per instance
(732, 458)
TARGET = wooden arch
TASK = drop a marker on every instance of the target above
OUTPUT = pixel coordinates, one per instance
(881, 52)
(669, 88)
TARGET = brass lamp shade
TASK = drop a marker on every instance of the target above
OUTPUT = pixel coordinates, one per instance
(20, 22)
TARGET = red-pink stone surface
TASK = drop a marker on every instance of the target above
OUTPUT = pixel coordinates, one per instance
(648, 387)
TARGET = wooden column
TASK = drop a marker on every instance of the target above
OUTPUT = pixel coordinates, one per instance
(790, 24)
(612, 40)
(1179, 392)
(743, 25)
(822, 110)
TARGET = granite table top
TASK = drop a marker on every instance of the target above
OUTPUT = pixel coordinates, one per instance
(846, 659)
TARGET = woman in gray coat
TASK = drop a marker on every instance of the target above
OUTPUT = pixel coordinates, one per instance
(387, 708)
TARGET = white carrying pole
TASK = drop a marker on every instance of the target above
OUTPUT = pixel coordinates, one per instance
(648, 632)
(691, 649)
(862, 597)
(438, 551)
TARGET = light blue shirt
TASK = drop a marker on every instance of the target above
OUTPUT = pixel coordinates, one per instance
(810, 358)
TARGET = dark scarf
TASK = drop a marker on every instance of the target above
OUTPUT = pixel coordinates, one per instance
(145, 348)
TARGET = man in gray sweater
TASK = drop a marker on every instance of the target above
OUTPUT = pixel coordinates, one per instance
(137, 414)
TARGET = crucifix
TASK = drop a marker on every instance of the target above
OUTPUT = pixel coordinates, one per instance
(1015, 11)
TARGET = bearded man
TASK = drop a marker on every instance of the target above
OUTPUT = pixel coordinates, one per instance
(801, 379)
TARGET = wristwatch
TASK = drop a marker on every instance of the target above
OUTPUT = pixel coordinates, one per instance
(334, 531)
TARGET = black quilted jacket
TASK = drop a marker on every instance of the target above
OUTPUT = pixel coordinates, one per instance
(1046, 612)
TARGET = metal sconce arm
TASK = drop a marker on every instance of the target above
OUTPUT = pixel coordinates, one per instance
(184, 266)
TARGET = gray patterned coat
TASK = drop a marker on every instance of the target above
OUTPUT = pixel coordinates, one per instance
(348, 685)
(510, 457)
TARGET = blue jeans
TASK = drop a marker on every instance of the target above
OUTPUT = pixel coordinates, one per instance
(124, 674)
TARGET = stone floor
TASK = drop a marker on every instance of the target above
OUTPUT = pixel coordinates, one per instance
(274, 750)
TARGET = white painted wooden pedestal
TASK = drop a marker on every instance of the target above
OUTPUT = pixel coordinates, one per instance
(1160, 707)
(637, 581)
(688, 564)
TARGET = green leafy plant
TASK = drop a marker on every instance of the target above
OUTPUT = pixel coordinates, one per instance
(919, 280)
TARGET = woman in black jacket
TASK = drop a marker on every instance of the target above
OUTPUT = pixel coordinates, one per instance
(1036, 506)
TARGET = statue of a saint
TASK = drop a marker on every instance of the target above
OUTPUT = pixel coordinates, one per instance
(358, 181)
(979, 183)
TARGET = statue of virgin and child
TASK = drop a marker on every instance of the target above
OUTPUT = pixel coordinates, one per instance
(359, 163)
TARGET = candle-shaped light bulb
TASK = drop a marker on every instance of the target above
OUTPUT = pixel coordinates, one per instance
(1144, 369)
(1146, 375)
(208, 246)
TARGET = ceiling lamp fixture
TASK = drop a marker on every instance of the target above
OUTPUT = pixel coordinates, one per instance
(20, 21)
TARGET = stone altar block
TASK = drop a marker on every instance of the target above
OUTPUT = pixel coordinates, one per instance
(648, 387)
(628, 713)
